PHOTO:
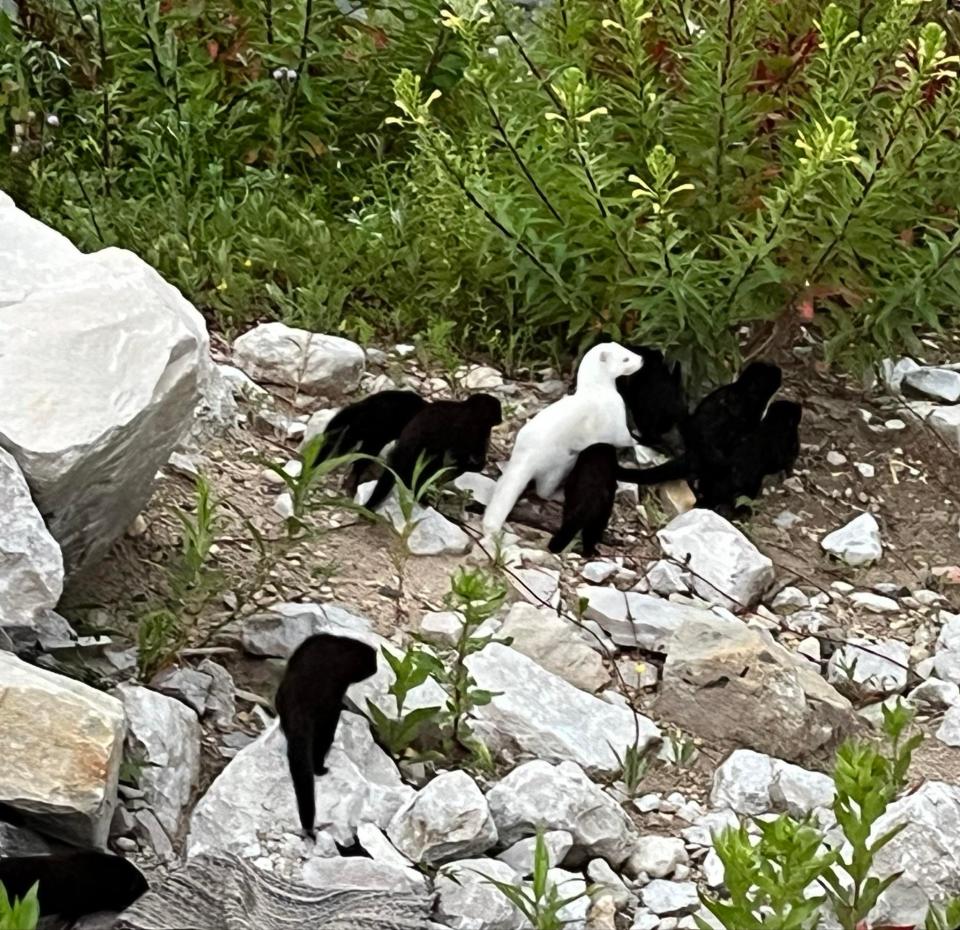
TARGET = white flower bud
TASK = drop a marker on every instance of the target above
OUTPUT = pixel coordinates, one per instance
(53, 120)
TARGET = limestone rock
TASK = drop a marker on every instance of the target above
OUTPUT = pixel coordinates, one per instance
(725, 567)
(482, 378)
(432, 533)
(880, 666)
(751, 783)
(250, 809)
(936, 694)
(927, 851)
(857, 543)
(520, 856)
(939, 383)
(725, 681)
(537, 585)
(894, 372)
(62, 746)
(556, 645)
(538, 714)
(636, 620)
(31, 566)
(165, 735)
(573, 889)
(101, 371)
(663, 897)
(359, 872)
(478, 486)
(467, 900)
(279, 630)
(657, 856)
(447, 819)
(314, 363)
(949, 730)
(561, 797)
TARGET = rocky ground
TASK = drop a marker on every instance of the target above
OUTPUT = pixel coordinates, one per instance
(738, 656)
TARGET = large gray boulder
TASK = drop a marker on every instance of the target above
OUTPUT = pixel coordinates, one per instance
(536, 714)
(102, 362)
(727, 682)
(538, 795)
(250, 809)
(164, 735)
(725, 567)
(62, 746)
(31, 566)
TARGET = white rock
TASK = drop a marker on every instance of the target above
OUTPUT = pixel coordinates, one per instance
(538, 714)
(599, 571)
(949, 638)
(927, 851)
(946, 666)
(936, 694)
(284, 626)
(866, 469)
(938, 383)
(537, 585)
(836, 459)
(751, 783)
(666, 578)
(102, 366)
(645, 920)
(949, 730)
(790, 598)
(893, 373)
(314, 363)
(881, 666)
(358, 872)
(31, 566)
(374, 841)
(634, 619)
(713, 869)
(478, 486)
(242, 386)
(726, 568)
(856, 543)
(432, 533)
(520, 856)
(250, 808)
(165, 735)
(556, 645)
(482, 378)
(447, 819)
(467, 900)
(664, 898)
(702, 831)
(62, 747)
(537, 794)
(573, 889)
(875, 603)
(946, 422)
(657, 856)
(600, 873)
(441, 626)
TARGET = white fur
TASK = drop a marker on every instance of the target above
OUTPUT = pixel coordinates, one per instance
(548, 445)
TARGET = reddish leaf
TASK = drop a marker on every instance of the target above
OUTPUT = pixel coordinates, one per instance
(213, 49)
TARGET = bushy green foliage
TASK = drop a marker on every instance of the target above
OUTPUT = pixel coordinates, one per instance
(501, 180)
(783, 879)
(19, 914)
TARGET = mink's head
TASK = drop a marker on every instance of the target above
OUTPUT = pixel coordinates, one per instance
(486, 408)
(357, 660)
(784, 414)
(759, 381)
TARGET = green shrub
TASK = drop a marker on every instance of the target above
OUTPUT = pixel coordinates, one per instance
(668, 172)
(19, 914)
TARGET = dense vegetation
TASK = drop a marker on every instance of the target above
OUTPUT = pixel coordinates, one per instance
(495, 180)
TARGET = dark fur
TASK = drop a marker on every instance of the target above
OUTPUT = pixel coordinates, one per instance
(367, 426)
(449, 434)
(588, 495)
(74, 884)
(654, 396)
(772, 448)
(309, 702)
(721, 421)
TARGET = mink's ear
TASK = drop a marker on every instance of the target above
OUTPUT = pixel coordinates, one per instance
(604, 356)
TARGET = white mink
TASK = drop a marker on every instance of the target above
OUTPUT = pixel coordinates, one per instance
(548, 445)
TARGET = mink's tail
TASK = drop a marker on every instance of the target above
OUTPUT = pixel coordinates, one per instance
(512, 484)
(668, 471)
(382, 488)
(564, 536)
(300, 758)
